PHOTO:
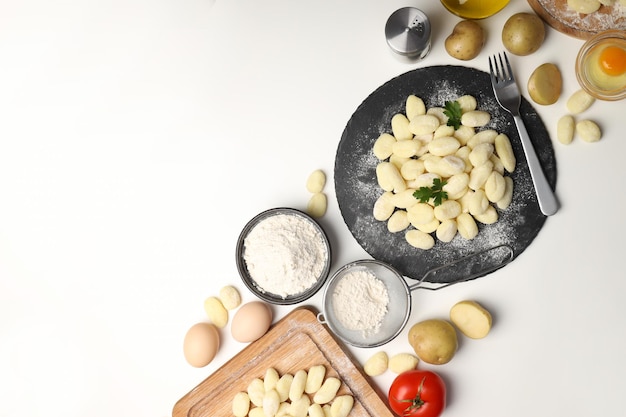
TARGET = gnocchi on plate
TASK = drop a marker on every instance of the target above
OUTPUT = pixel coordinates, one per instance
(422, 150)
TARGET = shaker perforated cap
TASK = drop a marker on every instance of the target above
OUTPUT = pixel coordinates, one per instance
(408, 32)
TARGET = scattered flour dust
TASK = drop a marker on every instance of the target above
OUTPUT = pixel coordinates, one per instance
(360, 301)
(285, 254)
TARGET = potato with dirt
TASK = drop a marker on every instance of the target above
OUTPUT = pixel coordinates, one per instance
(466, 40)
(523, 33)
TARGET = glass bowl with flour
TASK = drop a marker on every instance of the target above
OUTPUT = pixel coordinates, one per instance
(283, 256)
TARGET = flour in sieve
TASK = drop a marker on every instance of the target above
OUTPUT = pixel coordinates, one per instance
(360, 301)
(285, 254)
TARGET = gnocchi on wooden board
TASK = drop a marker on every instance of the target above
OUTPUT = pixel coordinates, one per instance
(305, 393)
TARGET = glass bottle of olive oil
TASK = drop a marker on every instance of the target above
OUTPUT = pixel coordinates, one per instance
(474, 9)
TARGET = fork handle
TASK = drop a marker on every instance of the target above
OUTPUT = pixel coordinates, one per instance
(545, 196)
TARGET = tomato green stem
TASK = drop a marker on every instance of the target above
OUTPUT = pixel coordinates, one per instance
(416, 402)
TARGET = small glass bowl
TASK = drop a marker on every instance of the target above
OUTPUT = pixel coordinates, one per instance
(591, 77)
(249, 281)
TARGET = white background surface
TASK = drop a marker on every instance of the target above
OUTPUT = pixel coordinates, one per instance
(138, 137)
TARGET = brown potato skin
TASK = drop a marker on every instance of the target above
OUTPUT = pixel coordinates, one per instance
(545, 84)
(466, 40)
(434, 341)
(523, 33)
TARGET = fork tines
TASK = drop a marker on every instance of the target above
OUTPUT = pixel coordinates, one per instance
(500, 73)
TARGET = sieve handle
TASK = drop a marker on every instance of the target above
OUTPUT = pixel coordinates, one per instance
(505, 257)
(321, 318)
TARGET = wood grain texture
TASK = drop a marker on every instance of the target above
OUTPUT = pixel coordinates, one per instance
(298, 341)
(557, 14)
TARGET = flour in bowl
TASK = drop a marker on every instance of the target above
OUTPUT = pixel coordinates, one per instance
(285, 254)
(360, 301)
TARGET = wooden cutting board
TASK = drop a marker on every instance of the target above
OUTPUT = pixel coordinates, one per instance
(298, 341)
(582, 26)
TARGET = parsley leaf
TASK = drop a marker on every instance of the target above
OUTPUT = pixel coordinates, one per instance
(424, 194)
(453, 110)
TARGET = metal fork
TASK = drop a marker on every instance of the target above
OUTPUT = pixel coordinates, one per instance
(508, 96)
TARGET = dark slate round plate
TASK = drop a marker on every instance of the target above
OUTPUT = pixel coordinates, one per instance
(357, 188)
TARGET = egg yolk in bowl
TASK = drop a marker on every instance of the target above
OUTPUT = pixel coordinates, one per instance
(613, 60)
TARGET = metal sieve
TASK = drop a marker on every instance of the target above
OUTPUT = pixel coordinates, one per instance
(399, 307)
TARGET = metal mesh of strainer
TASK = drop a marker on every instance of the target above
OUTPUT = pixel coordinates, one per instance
(398, 310)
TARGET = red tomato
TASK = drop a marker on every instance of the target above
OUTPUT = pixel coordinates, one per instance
(418, 393)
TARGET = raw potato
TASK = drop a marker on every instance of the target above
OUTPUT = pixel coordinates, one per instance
(523, 33)
(316, 181)
(376, 364)
(466, 40)
(545, 84)
(434, 341)
(472, 319)
(216, 311)
(402, 362)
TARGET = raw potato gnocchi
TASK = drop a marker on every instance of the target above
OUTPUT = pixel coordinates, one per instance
(304, 394)
(216, 311)
(588, 131)
(567, 127)
(318, 203)
(230, 297)
(472, 160)
(376, 364)
(579, 102)
(402, 362)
